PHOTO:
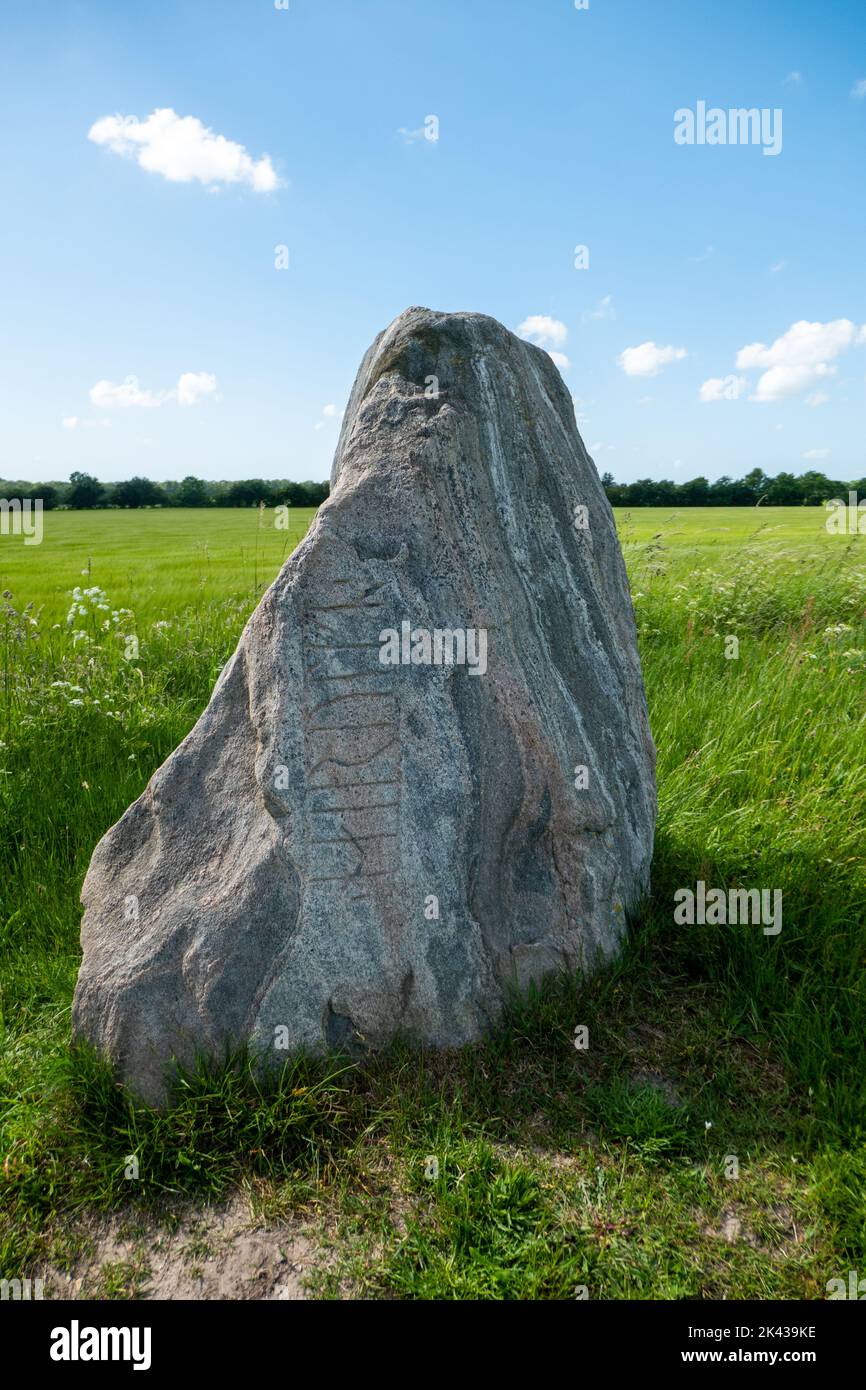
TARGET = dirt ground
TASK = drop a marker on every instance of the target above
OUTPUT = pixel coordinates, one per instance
(215, 1253)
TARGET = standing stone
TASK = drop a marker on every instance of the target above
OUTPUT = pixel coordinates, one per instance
(361, 837)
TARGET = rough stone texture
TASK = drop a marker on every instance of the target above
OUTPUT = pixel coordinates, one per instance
(283, 861)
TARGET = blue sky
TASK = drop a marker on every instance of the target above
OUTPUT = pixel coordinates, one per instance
(145, 329)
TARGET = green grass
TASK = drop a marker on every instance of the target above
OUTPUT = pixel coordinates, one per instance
(158, 563)
(713, 1051)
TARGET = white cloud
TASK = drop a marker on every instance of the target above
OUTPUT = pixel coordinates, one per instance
(817, 398)
(648, 359)
(804, 344)
(190, 390)
(182, 149)
(603, 310)
(330, 412)
(724, 388)
(193, 385)
(544, 331)
(781, 382)
(72, 422)
(560, 360)
(794, 78)
(814, 455)
(858, 91)
(799, 358)
(108, 396)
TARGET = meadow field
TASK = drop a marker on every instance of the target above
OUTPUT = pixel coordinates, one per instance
(710, 1142)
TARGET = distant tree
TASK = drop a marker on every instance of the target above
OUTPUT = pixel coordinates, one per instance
(667, 493)
(297, 494)
(816, 488)
(47, 493)
(695, 493)
(721, 492)
(246, 494)
(294, 494)
(742, 495)
(138, 492)
(757, 481)
(315, 493)
(785, 490)
(283, 493)
(192, 492)
(641, 493)
(84, 491)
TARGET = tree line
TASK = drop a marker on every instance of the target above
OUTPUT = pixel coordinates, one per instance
(756, 488)
(83, 492)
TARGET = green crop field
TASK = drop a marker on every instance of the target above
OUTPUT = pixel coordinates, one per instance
(711, 1140)
(154, 562)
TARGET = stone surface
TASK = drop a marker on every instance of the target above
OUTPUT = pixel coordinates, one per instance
(343, 850)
